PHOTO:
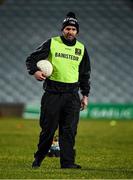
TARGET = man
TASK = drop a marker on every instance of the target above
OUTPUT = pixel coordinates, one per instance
(60, 104)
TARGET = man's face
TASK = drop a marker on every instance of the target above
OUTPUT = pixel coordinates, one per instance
(69, 32)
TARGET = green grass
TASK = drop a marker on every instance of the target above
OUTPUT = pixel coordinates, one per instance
(103, 151)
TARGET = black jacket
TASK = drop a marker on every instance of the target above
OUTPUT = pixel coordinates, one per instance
(42, 52)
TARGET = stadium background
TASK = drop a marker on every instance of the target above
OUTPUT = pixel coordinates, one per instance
(105, 27)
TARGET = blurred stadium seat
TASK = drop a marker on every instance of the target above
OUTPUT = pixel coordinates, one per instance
(105, 26)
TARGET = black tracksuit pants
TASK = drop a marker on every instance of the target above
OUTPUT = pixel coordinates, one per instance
(59, 110)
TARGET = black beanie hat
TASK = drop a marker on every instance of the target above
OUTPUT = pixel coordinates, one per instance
(70, 20)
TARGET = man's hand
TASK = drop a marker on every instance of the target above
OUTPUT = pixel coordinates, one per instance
(84, 102)
(39, 75)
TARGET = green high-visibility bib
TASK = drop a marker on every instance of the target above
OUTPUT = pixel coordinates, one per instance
(65, 60)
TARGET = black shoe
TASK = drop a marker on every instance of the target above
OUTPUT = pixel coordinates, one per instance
(36, 163)
(72, 166)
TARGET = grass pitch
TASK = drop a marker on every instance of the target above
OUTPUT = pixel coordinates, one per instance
(104, 150)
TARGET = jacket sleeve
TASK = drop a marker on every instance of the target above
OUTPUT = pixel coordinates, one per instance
(84, 74)
(41, 52)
